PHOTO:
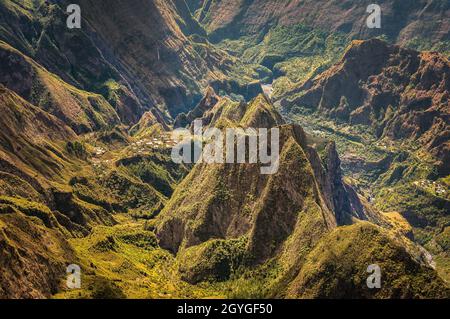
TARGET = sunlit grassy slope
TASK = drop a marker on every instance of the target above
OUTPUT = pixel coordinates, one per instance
(125, 261)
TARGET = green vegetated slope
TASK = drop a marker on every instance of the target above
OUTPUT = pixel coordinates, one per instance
(340, 256)
(297, 42)
(391, 126)
(140, 56)
(290, 53)
(59, 188)
(226, 256)
(33, 249)
(255, 233)
(57, 185)
(298, 39)
(402, 22)
(125, 261)
(86, 175)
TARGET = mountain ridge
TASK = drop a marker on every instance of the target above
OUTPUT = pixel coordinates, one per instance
(418, 101)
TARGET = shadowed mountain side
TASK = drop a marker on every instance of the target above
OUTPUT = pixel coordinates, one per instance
(81, 110)
(139, 55)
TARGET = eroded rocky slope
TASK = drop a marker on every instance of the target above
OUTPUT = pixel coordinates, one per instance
(403, 21)
(399, 93)
(86, 175)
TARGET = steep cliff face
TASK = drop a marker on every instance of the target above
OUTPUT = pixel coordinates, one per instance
(402, 94)
(339, 255)
(33, 249)
(138, 55)
(154, 47)
(402, 21)
(340, 197)
(82, 111)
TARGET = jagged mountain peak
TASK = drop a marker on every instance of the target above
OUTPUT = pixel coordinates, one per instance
(233, 203)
